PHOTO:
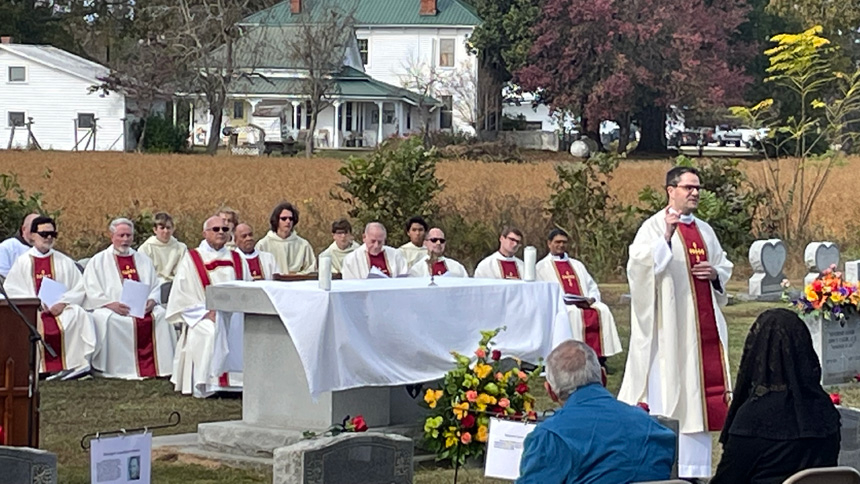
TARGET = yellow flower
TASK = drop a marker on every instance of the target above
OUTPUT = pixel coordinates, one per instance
(483, 370)
(450, 437)
(811, 295)
(482, 434)
(484, 400)
(461, 409)
(432, 396)
(837, 297)
(527, 405)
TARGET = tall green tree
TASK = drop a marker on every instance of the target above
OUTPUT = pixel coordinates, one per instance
(33, 22)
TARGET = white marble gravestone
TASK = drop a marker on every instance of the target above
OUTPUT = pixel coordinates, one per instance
(852, 271)
(767, 259)
(838, 347)
(819, 256)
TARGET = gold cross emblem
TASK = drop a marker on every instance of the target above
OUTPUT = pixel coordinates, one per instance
(697, 251)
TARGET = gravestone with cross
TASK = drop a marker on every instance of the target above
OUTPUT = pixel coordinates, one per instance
(767, 259)
(819, 256)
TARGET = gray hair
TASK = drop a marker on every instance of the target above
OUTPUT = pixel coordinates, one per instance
(120, 221)
(375, 225)
(571, 365)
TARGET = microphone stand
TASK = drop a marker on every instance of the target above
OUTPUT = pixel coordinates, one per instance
(35, 340)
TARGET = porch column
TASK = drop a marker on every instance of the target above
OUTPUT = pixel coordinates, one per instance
(401, 122)
(296, 117)
(336, 136)
(379, 124)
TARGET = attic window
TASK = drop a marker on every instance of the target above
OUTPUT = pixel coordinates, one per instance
(17, 74)
(363, 50)
(446, 53)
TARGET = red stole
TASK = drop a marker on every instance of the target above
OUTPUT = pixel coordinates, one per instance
(509, 269)
(203, 273)
(255, 268)
(590, 317)
(144, 330)
(439, 268)
(710, 347)
(379, 262)
(52, 329)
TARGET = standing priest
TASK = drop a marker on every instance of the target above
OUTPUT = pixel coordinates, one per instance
(590, 320)
(678, 338)
(128, 347)
(210, 263)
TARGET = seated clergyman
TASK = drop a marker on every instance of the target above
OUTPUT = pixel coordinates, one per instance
(343, 245)
(163, 248)
(261, 264)
(436, 244)
(414, 250)
(374, 256)
(293, 254)
(504, 263)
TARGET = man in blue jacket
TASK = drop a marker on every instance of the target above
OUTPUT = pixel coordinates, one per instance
(593, 438)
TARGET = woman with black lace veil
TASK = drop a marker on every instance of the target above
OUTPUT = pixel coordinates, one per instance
(781, 420)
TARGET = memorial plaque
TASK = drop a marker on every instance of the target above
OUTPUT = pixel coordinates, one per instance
(767, 259)
(849, 449)
(25, 465)
(838, 348)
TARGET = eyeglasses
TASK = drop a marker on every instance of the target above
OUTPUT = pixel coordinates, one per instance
(287, 217)
(219, 229)
(48, 233)
(689, 188)
(512, 239)
(436, 239)
(339, 232)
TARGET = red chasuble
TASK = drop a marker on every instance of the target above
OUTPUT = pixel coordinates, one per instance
(144, 330)
(439, 268)
(203, 274)
(255, 268)
(509, 269)
(710, 348)
(52, 328)
(379, 262)
(590, 317)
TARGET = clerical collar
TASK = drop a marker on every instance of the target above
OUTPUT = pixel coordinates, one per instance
(39, 254)
(248, 256)
(116, 252)
(563, 256)
(503, 256)
(687, 219)
(205, 247)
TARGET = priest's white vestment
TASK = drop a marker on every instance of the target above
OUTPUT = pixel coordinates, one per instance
(412, 253)
(261, 264)
(129, 348)
(294, 254)
(71, 334)
(192, 372)
(443, 267)
(357, 264)
(668, 366)
(10, 250)
(165, 257)
(337, 255)
(497, 266)
(603, 338)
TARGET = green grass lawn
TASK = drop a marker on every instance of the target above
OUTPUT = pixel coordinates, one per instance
(72, 409)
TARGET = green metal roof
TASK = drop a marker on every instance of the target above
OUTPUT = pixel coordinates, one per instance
(262, 48)
(351, 83)
(375, 12)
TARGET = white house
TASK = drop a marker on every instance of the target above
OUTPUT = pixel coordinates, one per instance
(49, 89)
(362, 111)
(407, 43)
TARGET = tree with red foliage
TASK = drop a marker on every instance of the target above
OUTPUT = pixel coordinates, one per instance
(630, 60)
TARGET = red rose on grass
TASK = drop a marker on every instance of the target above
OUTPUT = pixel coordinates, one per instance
(644, 406)
(496, 355)
(358, 424)
(467, 422)
(835, 398)
(522, 388)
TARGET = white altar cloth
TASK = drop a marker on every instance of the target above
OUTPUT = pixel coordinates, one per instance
(387, 332)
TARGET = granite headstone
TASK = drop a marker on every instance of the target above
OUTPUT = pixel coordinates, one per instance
(819, 256)
(25, 465)
(837, 344)
(767, 259)
(849, 449)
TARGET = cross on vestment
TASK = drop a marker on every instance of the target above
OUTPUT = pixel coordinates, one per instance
(128, 272)
(568, 277)
(697, 251)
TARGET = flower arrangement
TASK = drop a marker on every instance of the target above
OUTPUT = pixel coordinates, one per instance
(457, 427)
(354, 424)
(828, 296)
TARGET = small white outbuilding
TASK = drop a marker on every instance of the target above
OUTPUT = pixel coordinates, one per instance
(46, 91)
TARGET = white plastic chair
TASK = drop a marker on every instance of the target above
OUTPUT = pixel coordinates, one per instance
(825, 475)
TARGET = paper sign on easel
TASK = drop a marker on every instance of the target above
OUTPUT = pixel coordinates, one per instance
(505, 448)
(126, 459)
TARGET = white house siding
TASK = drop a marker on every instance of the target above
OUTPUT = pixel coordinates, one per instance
(393, 51)
(54, 98)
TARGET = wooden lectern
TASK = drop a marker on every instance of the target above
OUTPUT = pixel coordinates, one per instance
(19, 415)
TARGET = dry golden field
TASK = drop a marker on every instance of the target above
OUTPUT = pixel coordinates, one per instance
(90, 188)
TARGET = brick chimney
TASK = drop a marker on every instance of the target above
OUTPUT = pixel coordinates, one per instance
(295, 6)
(428, 7)
(5, 39)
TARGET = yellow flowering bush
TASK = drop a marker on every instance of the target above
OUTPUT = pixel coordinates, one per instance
(471, 393)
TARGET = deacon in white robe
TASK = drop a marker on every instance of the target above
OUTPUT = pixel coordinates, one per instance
(343, 245)
(128, 347)
(66, 326)
(293, 254)
(14, 247)
(374, 254)
(591, 321)
(677, 362)
(162, 248)
(414, 250)
(212, 262)
(261, 264)
(503, 264)
(442, 266)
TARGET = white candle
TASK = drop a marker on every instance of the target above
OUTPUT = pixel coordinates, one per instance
(325, 273)
(530, 254)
